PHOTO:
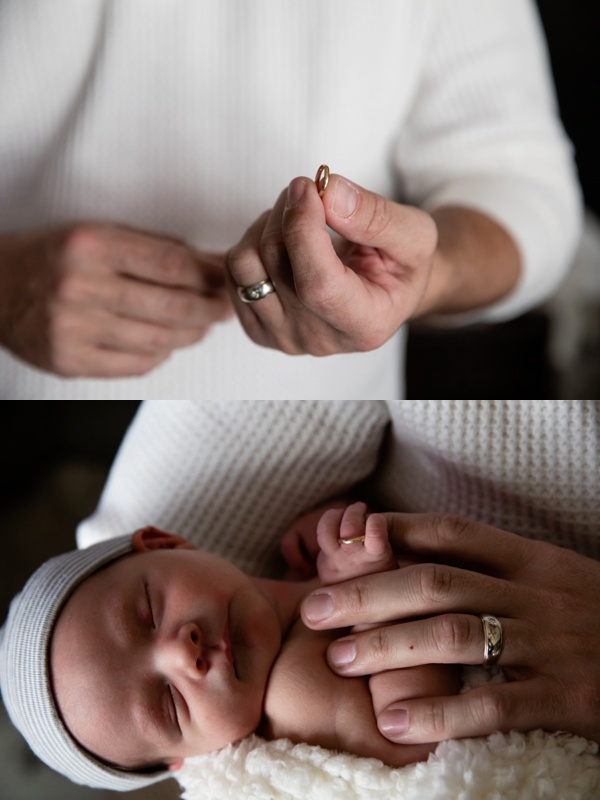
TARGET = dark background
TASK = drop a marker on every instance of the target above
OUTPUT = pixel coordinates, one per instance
(510, 360)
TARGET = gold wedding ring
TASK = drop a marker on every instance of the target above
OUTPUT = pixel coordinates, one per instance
(352, 541)
(322, 179)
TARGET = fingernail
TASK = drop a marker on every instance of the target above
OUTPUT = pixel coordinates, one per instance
(345, 199)
(393, 721)
(342, 653)
(296, 191)
(318, 607)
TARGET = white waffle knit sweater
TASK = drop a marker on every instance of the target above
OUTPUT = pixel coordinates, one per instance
(188, 118)
(232, 476)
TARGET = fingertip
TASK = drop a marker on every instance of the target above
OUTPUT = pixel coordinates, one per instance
(317, 608)
(341, 197)
(393, 723)
(296, 192)
(328, 529)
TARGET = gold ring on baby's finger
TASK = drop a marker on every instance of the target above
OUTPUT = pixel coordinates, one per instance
(250, 294)
(355, 540)
(322, 179)
(492, 639)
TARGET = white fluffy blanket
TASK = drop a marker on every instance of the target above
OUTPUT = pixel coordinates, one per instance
(499, 767)
(513, 766)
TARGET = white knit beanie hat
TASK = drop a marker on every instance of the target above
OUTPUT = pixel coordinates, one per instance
(25, 669)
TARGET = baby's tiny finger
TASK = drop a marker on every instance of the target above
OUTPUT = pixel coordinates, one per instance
(353, 521)
(328, 530)
(376, 535)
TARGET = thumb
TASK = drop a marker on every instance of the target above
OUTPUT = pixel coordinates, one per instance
(404, 232)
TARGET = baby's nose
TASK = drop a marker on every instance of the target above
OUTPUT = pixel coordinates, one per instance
(185, 652)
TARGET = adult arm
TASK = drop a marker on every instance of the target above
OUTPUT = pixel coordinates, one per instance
(494, 208)
(93, 300)
(546, 598)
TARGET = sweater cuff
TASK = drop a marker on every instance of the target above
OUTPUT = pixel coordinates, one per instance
(544, 221)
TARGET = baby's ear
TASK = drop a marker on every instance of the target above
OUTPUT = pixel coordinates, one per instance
(149, 538)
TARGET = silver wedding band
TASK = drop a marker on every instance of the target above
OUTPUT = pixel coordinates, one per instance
(250, 294)
(492, 639)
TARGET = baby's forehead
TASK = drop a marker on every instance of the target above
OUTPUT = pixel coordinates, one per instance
(81, 608)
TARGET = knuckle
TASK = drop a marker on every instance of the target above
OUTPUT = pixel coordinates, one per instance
(451, 634)
(70, 287)
(490, 711)
(437, 721)
(160, 339)
(379, 218)
(319, 294)
(379, 646)
(176, 305)
(82, 241)
(242, 264)
(582, 694)
(356, 600)
(272, 248)
(172, 263)
(435, 583)
(448, 529)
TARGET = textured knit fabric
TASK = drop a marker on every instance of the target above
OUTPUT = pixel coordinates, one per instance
(25, 670)
(233, 476)
(188, 118)
(528, 466)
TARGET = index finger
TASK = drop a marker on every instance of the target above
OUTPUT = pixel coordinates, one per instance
(165, 262)
(453, 539)
(416, 591)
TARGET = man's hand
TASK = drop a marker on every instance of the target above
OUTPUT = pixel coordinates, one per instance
(389, 263)
(333, 299)
(94, 300)
(546, 598)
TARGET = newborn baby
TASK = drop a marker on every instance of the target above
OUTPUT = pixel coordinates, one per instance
(167, 652)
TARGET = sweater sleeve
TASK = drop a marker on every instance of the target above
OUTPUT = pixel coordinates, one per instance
(483, 132)
(232, 476)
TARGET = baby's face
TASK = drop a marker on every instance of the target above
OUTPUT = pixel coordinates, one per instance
(163, 655)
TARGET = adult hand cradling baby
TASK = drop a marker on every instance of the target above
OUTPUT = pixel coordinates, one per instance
(546, 598)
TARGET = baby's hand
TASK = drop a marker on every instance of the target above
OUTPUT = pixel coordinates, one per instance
(339, 561)
(299, 545)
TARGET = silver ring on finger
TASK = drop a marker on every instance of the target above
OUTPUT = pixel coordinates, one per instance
(492, 639)
(250, 294)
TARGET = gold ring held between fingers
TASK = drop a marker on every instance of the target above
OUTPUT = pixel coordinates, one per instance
(322, 179)
(250, 294)
(356, 539)
(492, 639)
